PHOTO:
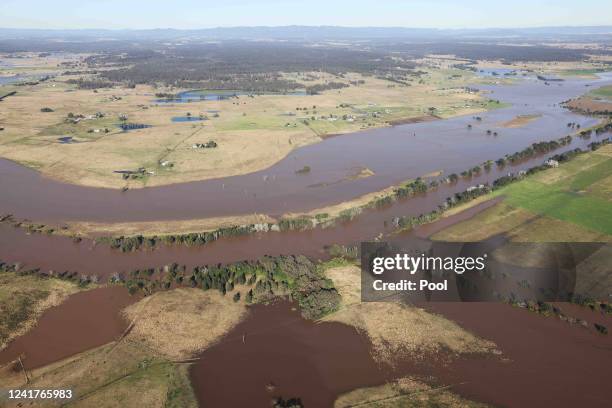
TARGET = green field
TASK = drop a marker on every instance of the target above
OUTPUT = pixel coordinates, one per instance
(571, 199)
(604, 92)
(572, 202)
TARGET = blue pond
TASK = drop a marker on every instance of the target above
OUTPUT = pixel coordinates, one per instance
(215, 95)
(132, 126)
(188, 118)
(500, 72)
(66, 140)
(4, 80)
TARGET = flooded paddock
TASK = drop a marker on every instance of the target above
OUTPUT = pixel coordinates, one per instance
(276, 353)
(84, 321)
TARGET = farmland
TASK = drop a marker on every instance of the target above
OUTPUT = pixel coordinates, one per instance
(77, 137)
(568, 203)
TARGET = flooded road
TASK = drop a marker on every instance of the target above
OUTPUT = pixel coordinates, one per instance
(394, 154)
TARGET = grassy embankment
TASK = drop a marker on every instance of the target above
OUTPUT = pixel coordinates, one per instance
(596, 101)
(605, 92)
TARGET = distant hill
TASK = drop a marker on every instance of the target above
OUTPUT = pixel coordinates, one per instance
(318, 33)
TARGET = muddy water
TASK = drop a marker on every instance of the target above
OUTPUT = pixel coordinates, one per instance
(545, 362)
(60, 253)
(284, 356)
(394, 154)
(541, 354)
(84, 321)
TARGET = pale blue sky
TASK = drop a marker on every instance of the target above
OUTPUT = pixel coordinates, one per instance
(203, 13)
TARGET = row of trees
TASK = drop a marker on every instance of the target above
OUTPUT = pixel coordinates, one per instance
(75, 277)
(475, 192)
(133, 243)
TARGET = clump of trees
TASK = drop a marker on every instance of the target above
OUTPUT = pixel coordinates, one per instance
(318, 88)
(535, 149)
(477, 191)
(291, 277)
(303, 170)
(287, 403)
(298, 223)
(211, 144)
(415, 187)
(96, 83)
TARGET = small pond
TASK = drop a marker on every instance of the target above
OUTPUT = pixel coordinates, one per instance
(500, 72)
(188, 118)
(66, 140)
(132, 126)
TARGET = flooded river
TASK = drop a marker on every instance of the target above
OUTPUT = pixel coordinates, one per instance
(58, 253)
(545, 361)
(394, 154)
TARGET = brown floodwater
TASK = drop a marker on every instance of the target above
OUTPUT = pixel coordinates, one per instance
(394, 154)
(285, 356)
(51, 252)
(84, 321)
(66, 329)
(545, 362)
(74, 202)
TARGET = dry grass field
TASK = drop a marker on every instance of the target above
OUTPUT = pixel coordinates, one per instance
(520, 121)
(114, 375)
(252, 132)
(402, 393)
(396, 329)
(151, 228)
(181, 322)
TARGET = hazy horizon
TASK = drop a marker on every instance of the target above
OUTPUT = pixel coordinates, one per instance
(518, 27)
(192, 14)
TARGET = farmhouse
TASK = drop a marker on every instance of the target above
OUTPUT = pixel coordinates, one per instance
(551, 163)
